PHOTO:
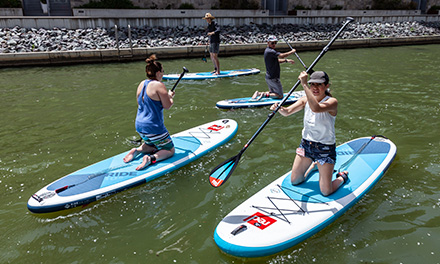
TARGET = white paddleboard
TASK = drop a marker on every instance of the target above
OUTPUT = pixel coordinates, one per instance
(282, 215)
(209, 75)
(112, 175)
(246, 102)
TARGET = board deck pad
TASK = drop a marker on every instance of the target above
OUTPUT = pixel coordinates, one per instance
(247, 102)
(282, 215)
(209, 75)
(112, 175)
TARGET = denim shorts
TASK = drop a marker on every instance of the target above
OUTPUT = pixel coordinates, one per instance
(319, 152)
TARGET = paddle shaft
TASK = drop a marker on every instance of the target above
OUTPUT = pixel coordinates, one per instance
(309, 69)
(185, 70)
(296, 54)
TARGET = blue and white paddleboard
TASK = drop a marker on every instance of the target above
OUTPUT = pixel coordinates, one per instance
(249, 102)
(112, 175)
(209, 75)
(282, 215)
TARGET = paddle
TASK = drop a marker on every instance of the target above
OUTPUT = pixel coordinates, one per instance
(221, 173)
(204, 54)
(185, 70)
(296, 54)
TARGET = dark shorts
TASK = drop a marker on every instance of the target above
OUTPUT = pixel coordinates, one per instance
(275, 86)
(214, 47)
(159, 142)
(319, 152)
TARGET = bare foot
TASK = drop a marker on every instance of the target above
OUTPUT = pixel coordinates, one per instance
(130, 156)
(313, 167)
(261, 96)
(255, 94)
(145, 162)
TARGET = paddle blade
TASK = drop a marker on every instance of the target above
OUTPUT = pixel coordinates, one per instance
(221, 173)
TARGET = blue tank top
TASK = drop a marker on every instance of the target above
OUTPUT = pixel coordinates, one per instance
(149, 118)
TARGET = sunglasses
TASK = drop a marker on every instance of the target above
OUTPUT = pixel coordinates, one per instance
(273, 42)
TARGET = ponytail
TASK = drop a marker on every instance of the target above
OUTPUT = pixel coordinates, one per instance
(152, 67)
(327, 92)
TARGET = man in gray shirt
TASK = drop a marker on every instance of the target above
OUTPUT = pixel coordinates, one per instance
(272, 59)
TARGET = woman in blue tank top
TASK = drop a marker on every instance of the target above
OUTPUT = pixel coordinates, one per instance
(317, 149)
(152, 97)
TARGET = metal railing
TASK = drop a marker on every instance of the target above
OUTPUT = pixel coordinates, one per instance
(130, 41)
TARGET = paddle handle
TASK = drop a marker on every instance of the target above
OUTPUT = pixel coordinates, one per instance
(185, 70)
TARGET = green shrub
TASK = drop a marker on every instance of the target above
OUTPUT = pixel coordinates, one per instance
(112, 4)
(433, 9)
(240, 4)
(10, 4)
(393, 5)
(300, 7)
(337, 7)
(186, 6)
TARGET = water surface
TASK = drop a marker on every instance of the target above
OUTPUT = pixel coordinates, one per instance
(56, 120)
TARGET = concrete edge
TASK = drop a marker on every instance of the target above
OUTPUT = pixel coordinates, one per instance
(138, 54)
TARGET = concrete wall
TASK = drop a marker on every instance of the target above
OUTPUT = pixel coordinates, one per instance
(329, 4)
(210, 4)
(166, 4)
(113, 55)
(11, 12)
(376, 13)
(151, 13)
(94, 22)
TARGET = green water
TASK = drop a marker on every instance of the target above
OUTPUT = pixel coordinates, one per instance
(59, 119)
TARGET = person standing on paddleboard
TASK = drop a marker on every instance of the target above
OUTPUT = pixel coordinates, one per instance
(152, 97)
(213, 30)
(317, 149)
(272, 59)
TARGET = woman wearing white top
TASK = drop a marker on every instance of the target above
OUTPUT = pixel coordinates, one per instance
(317, 146)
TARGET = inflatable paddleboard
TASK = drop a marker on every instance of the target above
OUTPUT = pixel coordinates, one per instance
(249, 102)
(209, 75)
(282, 215)
(113, 175)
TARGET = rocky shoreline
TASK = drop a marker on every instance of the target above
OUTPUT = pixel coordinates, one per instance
(17, 39)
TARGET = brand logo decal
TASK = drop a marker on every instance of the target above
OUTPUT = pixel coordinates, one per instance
(215, 182)
(260, 220)
(215, 127)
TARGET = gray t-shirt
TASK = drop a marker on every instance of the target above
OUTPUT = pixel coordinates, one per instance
(272, 64)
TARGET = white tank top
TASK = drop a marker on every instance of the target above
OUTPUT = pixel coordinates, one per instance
(319, 127)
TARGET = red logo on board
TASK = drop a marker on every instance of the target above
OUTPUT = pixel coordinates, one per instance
(260, 220)
(216, 127)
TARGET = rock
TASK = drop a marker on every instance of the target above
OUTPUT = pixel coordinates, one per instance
(19, 39)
